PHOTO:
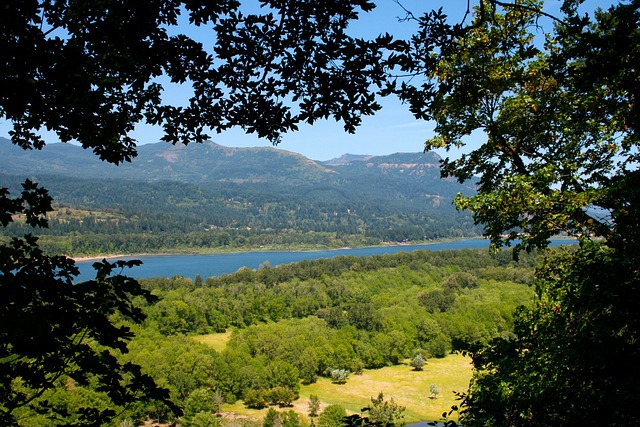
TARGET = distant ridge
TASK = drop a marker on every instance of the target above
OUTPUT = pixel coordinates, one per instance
(239, 196)
(210, 162)
(401, 177)
(196, 163)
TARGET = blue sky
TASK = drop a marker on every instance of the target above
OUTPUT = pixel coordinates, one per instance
(391, 130)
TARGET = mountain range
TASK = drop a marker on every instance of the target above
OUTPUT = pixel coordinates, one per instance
(208, 162)
(405, 175)
(207, 186)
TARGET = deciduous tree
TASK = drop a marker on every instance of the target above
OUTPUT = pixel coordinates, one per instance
(90, 72)
(418, 362)
(558, 113)
(339, 376)
(434, 390)
(560, 129)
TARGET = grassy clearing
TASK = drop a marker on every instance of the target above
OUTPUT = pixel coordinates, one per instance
(216, 341)
(407, 388)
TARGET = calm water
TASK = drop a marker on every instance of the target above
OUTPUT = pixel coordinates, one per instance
(216, 265)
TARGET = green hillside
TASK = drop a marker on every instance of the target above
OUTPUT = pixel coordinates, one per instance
(205, 197)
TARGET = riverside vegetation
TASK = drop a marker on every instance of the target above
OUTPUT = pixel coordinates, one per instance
(295, 325)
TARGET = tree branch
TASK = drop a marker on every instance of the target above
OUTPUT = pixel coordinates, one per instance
(409, 15)
(527, 8)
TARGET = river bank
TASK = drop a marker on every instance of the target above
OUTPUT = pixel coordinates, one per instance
(186, 265)
(262, 249)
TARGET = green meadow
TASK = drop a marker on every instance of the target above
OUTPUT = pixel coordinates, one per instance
(216, 341)
(406, 386)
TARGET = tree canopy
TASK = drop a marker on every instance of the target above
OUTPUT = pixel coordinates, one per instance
(555, 97)
(558, 110)
(91, 71)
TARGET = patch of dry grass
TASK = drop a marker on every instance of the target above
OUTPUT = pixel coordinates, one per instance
(407, 388)
(216, 341)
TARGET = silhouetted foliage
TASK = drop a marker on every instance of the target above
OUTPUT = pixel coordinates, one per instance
(560, 113)
(52, 329)
(89, 72)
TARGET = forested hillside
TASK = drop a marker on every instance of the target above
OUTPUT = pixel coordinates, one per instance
(209, 197)
(294, 324)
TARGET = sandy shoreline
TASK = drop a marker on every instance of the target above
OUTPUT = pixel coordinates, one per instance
(111, 257)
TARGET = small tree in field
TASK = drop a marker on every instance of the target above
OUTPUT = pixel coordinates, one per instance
(281, 396)
(332, 416)
(385, 412)
(418, 362)
(271, 419)
(434, 390)
(255, 399)
(339, 376)
(202, 419)
(314, 405)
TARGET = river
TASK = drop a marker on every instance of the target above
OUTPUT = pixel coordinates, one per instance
(219, 264)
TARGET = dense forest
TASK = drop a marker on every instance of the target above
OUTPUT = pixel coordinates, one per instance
(237, 199)
(295, 323)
